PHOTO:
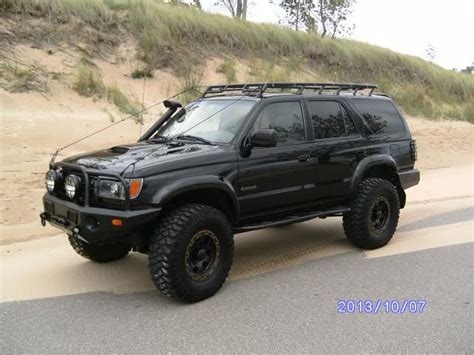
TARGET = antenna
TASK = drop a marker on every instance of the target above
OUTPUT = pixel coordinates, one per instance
(140, 122)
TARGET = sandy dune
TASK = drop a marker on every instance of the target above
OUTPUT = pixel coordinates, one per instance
(34, 125)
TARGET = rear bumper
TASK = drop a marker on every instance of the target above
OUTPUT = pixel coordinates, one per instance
(409, 178)
(92, 224)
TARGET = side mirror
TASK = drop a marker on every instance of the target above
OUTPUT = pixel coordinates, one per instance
(264, 137)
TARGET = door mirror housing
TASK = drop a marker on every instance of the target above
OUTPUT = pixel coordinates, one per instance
(264, 137)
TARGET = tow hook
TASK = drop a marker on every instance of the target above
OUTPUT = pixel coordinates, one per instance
(43, 219)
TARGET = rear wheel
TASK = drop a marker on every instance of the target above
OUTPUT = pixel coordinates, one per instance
(374, 214)
(99, 253)
(191, 252)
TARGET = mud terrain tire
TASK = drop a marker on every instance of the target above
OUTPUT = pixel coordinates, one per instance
(191, 252)
(374, 214)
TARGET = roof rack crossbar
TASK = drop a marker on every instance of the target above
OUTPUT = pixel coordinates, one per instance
(259, 89)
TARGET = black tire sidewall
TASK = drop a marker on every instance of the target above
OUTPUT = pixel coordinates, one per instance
(168, 244)
(99, 253)
(357, 222)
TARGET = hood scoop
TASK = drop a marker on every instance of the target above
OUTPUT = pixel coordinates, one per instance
(119, 150)
(182, 149)
(174, 150)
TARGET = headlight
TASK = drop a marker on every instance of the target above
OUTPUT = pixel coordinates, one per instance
(71, 185)
(50, 180)
(115, 190)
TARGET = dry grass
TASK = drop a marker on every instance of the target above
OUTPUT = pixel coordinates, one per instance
(88, 82)
(172, 35)
(227, 67)
(15, 77)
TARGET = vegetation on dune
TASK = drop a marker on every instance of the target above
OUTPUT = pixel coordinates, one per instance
(179, 36)
(88, 82)
(17, 77)
(227, 67)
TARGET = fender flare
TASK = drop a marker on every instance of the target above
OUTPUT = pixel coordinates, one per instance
(168, 192)
(367, 163)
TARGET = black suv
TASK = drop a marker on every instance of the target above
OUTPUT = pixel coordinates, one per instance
(240, 158)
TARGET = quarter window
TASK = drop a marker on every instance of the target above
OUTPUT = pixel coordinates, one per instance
(286, 118)
(331, 120)
(381, 115)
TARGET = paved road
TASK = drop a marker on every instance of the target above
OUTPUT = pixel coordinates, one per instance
(281, 297)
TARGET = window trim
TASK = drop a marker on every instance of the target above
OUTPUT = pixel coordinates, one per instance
(348, 111)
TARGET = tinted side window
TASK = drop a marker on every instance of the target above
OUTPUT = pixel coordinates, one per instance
(381, 115)
(330, 120)
(284, 117)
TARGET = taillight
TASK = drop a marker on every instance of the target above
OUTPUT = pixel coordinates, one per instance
(413, 152)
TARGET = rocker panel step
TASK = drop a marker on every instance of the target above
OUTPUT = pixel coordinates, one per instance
(295, 218)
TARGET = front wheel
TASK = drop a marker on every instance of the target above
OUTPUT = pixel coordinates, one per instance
(191, 252)
(374, 214)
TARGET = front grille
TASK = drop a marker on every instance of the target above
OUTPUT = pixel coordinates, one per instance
(80, 197)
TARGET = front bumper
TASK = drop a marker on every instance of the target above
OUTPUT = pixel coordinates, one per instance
(409, 178)
(94, 225)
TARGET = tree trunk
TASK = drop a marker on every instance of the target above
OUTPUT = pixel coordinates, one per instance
(238, 10)
(244, 10)
(297, 19)
(322, 15)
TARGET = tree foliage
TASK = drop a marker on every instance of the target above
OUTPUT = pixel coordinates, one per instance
(327, 17)
(298, 12)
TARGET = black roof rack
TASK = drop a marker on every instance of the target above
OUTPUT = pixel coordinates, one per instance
(258, 89)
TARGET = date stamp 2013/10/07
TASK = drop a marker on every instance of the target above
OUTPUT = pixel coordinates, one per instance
(406, 306)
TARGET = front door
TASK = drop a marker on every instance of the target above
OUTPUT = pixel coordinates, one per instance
(279, 177)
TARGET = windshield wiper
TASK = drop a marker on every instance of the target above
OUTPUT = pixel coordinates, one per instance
(159, 138)
(194, 138)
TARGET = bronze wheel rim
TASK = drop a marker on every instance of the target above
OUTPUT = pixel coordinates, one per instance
(202, 255)
(379, 214)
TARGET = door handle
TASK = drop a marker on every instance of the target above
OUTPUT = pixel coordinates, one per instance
(304, 158)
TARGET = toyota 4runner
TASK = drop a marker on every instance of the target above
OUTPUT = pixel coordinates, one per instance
(240, 158)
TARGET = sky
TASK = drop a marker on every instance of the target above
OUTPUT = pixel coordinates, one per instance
(405, 26)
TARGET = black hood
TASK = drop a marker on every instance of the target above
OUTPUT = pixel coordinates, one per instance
(119, 158)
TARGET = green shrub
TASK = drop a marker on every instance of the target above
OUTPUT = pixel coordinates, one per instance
(119, 99)
(88, 81)
(227, 67)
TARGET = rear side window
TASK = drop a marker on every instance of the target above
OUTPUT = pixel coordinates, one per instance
(331, 120)
(381, 115)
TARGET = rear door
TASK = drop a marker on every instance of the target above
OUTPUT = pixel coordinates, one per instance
(280, 177)
(337, 148)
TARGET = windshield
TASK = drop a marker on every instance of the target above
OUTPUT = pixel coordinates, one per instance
(212, 120)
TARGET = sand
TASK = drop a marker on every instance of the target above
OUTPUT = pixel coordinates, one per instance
(34, 125)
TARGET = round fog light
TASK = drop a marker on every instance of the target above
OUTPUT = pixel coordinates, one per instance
(50, 180)
(71, 185)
